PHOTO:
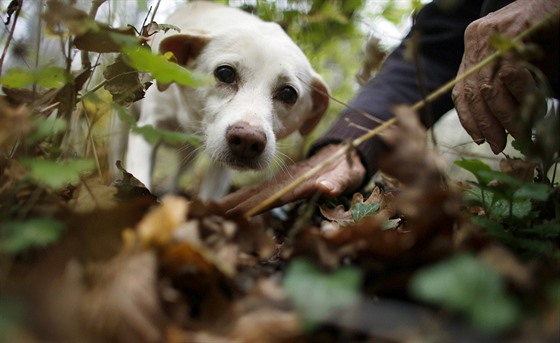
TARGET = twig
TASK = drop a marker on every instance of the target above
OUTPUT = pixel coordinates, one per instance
(155, 11)
(347, 147)
(10, 36)
(95, 4)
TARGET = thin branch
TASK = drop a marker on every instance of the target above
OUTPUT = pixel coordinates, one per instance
(10, 36)
(155, 11)
(95, 4)
(347, 147)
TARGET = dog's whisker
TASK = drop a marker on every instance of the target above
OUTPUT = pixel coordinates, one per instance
(283, 166)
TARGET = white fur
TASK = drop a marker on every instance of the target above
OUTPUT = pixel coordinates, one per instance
(265, 60)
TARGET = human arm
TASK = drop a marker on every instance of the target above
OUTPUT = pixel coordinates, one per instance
(488, 102)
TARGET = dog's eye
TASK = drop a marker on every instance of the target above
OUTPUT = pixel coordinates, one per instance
(288, 95)
(225, 74)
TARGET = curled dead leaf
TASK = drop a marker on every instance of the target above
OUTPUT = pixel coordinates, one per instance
(158, 227)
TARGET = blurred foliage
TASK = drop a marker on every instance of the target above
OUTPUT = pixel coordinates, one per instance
(465, 284)
(317, 294)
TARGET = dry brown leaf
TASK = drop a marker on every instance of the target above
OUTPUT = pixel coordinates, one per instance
(509, 266)
(341, 216)
(16, 123)
(121, 302)
(92, 194)
(520, 169)
(123, 82)
(100, 39)
(59, 13)
(426, 201)
(157, 228)
(267, 325)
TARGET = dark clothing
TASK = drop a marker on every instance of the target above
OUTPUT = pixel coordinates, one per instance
(438, 33)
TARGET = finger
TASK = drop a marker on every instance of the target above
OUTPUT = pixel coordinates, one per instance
(517, 80)
(467, 119)
(521, 84)
(504, 107)
(344, 177)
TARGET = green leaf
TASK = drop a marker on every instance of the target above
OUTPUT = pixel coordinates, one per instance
(17, 236)
(533, 191)
(361, 210)
(123, 39)
(391, 224)
(154, 136)
(316, 294)
(47, 77)
(52, 77)
(545, 231)
(161, 69)
(46, 128)
(475, 167)
(55, 174)
(500, 209)
(499, 176)
(17, 78)
(470, 287)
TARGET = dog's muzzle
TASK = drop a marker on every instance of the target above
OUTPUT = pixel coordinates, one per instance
(246, 144)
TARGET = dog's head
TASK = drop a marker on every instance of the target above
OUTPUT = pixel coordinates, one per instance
(264, 88)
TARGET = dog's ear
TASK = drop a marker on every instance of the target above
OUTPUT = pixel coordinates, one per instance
(320, 98)
(185, 48)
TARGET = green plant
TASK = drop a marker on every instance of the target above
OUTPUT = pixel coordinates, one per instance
(513, 210)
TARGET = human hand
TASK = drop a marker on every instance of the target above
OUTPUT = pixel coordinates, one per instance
(344, 175)
(488, 101)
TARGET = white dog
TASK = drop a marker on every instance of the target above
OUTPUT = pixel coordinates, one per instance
(263, 89)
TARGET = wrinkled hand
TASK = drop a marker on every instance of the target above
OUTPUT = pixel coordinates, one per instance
(342, 176)
(488, 101)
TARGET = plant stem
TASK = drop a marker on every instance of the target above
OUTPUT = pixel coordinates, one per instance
(370, 134)
(95, 4)
(10, 36)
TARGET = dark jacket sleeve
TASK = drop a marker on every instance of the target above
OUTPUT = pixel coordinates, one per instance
(439, 33)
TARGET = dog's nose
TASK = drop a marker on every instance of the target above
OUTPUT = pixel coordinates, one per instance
(245, 141)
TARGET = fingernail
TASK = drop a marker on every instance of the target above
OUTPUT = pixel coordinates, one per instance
(327, 185)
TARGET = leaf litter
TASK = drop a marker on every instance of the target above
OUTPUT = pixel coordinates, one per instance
(131, 267)
(113, 263)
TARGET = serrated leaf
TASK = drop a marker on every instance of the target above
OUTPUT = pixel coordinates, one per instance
(167, 27)
(468, 286)
(17, 236)
(317, 294)
(159, 67)
(55, 174)
(520, 208)
(154, 136)
(362, 210)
